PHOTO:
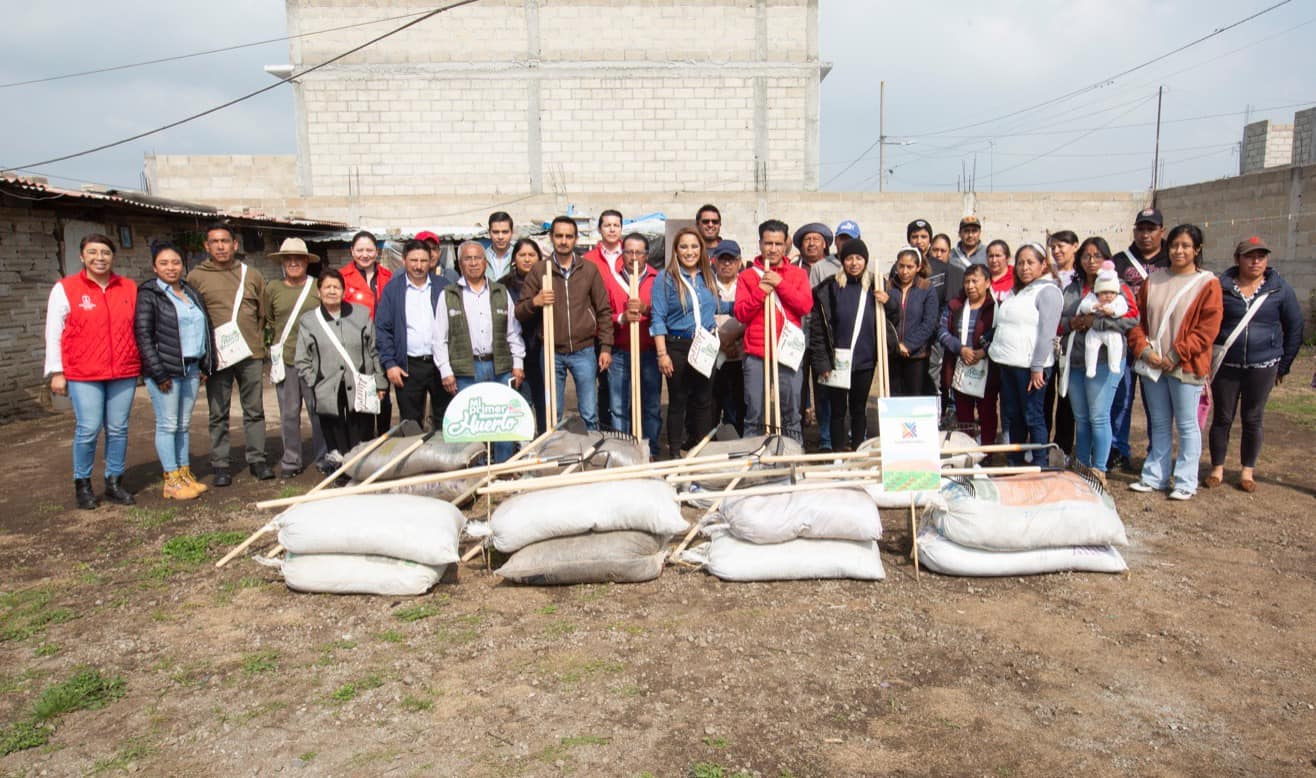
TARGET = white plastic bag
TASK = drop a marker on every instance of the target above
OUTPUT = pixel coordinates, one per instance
(402, 526)
(840, 514)
(643, 506)
(732, 559)
(940, 555)
(357, 574)
(1023, 512)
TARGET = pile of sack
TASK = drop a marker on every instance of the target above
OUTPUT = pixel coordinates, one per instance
(592, 533)
(829, 533)
(1022, 525)
(599, 450)
(388, 544)
(435, 456)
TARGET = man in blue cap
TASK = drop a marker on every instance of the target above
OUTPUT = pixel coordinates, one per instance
(846, 231)
(729, 378)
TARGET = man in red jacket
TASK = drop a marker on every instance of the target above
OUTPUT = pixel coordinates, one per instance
(772, 280)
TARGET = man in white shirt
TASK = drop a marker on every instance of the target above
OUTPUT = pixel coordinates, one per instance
(499, 253)
(404, 332)
(476, 335)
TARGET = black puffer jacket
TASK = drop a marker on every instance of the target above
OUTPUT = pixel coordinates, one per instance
(158, 339)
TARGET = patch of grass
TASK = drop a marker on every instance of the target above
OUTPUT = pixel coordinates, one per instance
(350, 690)
(27, 613)
(547, 610)
(559, 628)
(344, 693)
(573, 670)
(631, 690)
(195, 549)
(23, 735)
(1298, 408)
(719, 743)
(86, 690)
(462, 629)
(416, 612)
(291, 490)
(390, 636)
(585, 740)
(148, 518)
(260, 662)
(134, 750)
(714, 770)
(47, 649)
(327, 650)
(416, 704)
(308, 756)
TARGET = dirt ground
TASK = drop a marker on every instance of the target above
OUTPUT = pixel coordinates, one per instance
(1199, 661)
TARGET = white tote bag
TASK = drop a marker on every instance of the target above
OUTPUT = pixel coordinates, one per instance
(1218, 352)
(706, 346)
(843, 358)
(970, 380)
(365, 397)
(1140, 367)
(230, 347)
(278, 372)
(791, 343)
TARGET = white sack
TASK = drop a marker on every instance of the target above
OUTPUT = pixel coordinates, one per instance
(641, 505)
(879, 495)
(949, 439)
(940, 555)
(1023, 512)
(840, 514)
(418, 529)
(732, 559)
(435, 456)
(595, 557)
(358, 574)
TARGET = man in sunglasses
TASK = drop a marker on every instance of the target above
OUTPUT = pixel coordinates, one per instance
(709, 223)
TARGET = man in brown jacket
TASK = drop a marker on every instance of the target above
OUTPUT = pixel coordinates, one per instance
(217, 279)
(581, 313)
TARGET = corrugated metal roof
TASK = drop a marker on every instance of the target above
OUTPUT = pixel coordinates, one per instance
(39, 191)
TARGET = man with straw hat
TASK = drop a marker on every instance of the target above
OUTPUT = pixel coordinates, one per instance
(285, 302)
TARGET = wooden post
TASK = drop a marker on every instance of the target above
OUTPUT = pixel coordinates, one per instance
(883, 377)
(769, 375)
(913, 534)
(636, 427)
(550, 354)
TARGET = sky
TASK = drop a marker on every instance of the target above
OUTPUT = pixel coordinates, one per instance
(946, 65)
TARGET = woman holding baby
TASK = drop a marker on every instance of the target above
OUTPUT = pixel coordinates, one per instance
(1097, 314)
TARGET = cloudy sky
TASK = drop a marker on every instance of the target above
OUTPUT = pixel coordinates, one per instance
(947, 65)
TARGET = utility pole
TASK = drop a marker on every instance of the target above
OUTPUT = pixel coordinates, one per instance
(881, 138)
(1156, 156)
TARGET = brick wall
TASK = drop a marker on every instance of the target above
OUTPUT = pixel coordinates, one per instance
(1304, 137)
(232, 177)
(1266, 144)
(1278, 205)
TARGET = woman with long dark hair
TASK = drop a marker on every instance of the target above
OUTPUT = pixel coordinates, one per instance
(912, 310)
(525, 255)
(684, 301)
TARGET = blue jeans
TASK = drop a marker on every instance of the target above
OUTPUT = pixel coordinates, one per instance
(484, 373)
(1172, 405)
(1023, 411)
(101, 405)
(1091, 399)
(651, 392)
(173, 417)
(584, 368)
(1121, 411)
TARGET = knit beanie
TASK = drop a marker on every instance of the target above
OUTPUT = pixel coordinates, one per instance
(1107, 280)
(855, 246)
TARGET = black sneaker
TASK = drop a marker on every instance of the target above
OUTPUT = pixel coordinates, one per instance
(262, 471)
(1117, 461)
(115, 493)
(85, 497)
(290, 472)
(223, 477)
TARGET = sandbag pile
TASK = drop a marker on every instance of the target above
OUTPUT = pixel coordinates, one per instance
(831, 533)
(1022, 525)
(389, 544)
(593, 533)
(601, 450)
(436, 456)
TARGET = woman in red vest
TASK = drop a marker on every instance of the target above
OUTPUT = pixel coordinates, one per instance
(91, 357)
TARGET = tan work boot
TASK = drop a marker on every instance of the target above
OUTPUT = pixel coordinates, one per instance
(175, 488)
(190, 480)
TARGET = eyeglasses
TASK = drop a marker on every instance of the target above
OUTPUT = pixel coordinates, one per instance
(710, 221)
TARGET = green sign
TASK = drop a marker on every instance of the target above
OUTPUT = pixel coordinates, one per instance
(488, 413)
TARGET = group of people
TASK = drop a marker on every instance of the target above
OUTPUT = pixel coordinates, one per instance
(980, 327)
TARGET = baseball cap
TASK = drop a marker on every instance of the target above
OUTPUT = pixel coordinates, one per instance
(425, 235)
(1251, 244)
(847, 228)
(920, 224)
(970, 221)
(1150, 215)
(727, 248)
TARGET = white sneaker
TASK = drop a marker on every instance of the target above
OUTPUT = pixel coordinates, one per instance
(1180, 494)
(1140, 486)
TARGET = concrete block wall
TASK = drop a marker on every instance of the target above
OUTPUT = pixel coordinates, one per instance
(1277, 205)
(231, 177)
(1266, 144)
(1304, 137)
(528, 96)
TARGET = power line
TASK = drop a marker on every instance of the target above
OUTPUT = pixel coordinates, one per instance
(247, 96)
(1076, 92)
(207, 52)
(1069, 142)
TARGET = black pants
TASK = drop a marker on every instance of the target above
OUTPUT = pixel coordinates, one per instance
(1252, 387)
(533, 388)
(384, 421)
(604, 395)
(854, 401)
(688, 392)
(729, 396)
(423, 380)
(1059, 416)
(345, 429)
(909, 377)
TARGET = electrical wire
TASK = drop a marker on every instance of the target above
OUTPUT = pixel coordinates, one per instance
(207, 52)
(1082, 90)
(247, 96)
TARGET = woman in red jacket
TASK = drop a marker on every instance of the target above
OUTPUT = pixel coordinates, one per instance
(91, 357)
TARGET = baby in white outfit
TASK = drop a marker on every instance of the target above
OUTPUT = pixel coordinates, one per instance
(1104, 300)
